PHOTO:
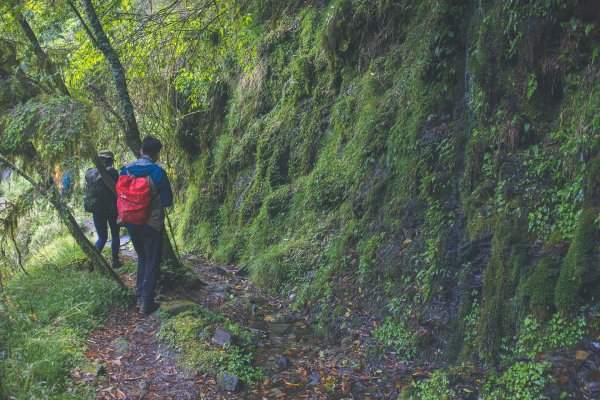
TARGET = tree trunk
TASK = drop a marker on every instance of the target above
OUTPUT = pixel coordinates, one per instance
(132, 133)
(86, 246)
(51, 194)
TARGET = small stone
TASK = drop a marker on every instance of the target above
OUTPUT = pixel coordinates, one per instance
(228, 383)
(94, 369)
(282, 362)
(121, 346)
(277, 393)
(279, 329)
(315, 378)
(139, 329)
(222, 337)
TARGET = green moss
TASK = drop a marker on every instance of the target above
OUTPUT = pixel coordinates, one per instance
(536, 292)
(579, 274)
(351, 146)
(191, 332)
(501, 276)
(592, 195)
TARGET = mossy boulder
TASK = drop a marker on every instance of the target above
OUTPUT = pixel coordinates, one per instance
(174, 308)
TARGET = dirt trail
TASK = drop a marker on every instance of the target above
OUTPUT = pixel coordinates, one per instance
(134, 363)
(297, 363)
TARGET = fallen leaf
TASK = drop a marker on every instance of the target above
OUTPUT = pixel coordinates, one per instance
(582, 355)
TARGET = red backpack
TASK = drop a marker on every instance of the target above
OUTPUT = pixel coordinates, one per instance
(133, 202)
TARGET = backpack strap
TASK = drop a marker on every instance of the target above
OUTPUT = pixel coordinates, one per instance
(110, 182)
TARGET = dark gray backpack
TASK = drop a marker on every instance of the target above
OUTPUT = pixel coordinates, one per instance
(98, 198)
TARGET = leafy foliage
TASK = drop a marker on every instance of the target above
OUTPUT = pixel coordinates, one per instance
(53, 126)
(523, 380)
(396, 337)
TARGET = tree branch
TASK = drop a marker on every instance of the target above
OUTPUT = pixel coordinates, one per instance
(45, 62)
(82, 21)
(132, 133)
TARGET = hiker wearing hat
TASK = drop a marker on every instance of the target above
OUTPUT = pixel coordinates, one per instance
(100, 199)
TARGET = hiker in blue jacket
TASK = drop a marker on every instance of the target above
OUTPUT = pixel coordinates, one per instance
(147, 238)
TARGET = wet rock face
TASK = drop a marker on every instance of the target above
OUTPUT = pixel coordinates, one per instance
(228, 383)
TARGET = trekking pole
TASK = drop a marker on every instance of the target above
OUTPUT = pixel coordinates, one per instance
(172, 235)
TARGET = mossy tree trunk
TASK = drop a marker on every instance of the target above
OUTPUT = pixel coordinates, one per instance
(132, 132)
(50, 193)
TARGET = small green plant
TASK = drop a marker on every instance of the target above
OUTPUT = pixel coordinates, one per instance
(436, 387)
(471, 321)
(522, 381)
(397, 337)
(532, 85)
(559, 333)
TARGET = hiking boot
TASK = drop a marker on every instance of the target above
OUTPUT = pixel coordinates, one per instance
(148, 308)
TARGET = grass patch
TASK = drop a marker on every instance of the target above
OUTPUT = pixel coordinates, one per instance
(45, 317)
(190, 328)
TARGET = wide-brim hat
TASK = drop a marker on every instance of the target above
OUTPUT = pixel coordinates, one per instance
(106, 154)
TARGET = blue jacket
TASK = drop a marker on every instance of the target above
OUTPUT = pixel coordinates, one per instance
(144, 166)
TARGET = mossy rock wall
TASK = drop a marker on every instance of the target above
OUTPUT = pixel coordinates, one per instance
(424, 152)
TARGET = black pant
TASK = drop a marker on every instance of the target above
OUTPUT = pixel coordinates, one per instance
(101, 223)
(147, 243)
